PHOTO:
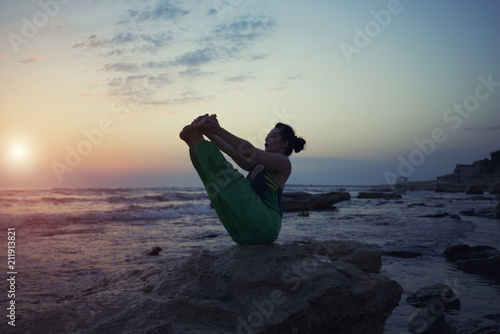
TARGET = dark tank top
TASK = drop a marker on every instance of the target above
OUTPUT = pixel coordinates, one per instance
(265, 186)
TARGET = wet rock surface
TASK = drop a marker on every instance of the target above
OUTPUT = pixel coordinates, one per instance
(483, 260)
(475, 190)
(383, 195)
(437, 293)
(433, 301)
(153, 251)
(303, 201)
(303, 287)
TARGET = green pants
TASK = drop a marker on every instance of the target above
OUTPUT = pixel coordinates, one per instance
(246, 218)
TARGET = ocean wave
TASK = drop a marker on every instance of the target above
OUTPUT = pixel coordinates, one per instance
(132, 212)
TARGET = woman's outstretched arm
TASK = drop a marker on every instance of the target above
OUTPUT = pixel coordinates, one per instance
(240, 159)
(245, 152)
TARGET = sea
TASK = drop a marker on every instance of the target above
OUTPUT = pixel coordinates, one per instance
(72, 242)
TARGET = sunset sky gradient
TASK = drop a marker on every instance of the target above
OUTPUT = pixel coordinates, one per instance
(94, 93)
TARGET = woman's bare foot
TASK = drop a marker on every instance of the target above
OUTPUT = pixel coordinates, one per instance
(192, 134)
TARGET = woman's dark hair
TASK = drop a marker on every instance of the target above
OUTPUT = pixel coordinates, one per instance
(295, 144)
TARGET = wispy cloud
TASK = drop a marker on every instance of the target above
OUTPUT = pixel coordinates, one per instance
(163, 10)
(147, 47)
(193, 72)
(245, 30)
(120, 67)
(239, 78)
(127, 42)
(30, 60)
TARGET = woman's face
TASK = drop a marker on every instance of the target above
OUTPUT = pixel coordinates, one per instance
(274, 144)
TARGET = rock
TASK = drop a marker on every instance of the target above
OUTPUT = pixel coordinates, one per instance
(362, 256)
(153, 251)
(433, 300)
(470, 213)
(495, 191)
(403, 254)
(466, 252)
(488, 324)
(379, 195)
(303, 287)
(483, 260)
(436, 215)
(416, 204)
(426, 322)
(439, 294)
(487, 267)
(498, 210)
(209, 235)
(303, 214)
(448, 188)
(302, 201)
(475, 190)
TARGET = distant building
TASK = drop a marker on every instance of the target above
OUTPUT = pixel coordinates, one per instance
(464, 173)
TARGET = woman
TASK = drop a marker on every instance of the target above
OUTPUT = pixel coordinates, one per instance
(250, 209)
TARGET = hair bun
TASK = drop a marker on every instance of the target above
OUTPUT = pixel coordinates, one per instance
(298, 144)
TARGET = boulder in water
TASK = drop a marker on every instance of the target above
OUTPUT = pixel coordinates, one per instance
(373, 194)
(437, 293)
(153, 251)
(303, 201)
(466, 252)
(433, 301)
(487, 267)
(483, 260)
(475, 190)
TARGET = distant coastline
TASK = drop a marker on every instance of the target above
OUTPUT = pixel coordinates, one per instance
(486, 177)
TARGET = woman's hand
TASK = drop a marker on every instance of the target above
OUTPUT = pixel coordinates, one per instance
(199, 119)
(211, 124)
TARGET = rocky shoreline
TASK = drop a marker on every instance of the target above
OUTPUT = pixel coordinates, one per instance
(300, 287)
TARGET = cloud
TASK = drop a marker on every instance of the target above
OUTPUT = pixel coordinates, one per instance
(198, 57)
(123, 42)
(193, 72)
(120, 67)
(229, 41)
(90, 43)
(239, 78)
(147, 39)
(247, 29)
(193, 98)
(164, 10)
(30, 60)
(212, 11)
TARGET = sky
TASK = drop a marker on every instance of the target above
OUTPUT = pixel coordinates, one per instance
(95, 93)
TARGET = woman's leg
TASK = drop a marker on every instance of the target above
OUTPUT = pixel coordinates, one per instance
(246, 218)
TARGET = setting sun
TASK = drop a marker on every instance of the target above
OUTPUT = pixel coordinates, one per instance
(18, 155)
